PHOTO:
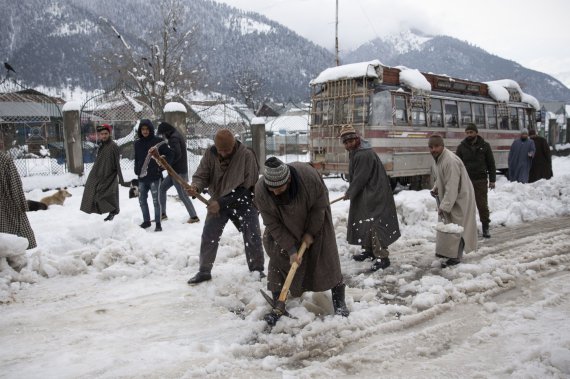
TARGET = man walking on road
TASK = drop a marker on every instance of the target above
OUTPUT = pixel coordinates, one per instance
(372, 217)
(453, 186)
(479, 162)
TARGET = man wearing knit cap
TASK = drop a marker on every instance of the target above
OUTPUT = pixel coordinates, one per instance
(372, 217)
(479, 162)
(294, 204)
(229, 171)
(520, 158)
(101, 194)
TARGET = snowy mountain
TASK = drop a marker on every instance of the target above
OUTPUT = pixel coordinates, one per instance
(460, 59)
(57, 44)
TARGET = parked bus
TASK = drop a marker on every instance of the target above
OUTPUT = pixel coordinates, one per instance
(396, 109)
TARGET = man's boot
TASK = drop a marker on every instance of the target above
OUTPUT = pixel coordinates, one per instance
(339, 304)
(486, 231)
(272, 317)
(364, 255)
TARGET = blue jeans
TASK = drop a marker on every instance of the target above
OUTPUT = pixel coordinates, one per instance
(166, 184)
(144, 187)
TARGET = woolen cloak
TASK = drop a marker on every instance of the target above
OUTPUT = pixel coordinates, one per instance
(307, 212)
(101, 194)
(457, 196)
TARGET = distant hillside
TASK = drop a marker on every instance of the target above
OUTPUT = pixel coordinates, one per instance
(450, 56)
(54, 44)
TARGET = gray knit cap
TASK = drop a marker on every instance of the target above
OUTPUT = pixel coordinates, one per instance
(277, 173)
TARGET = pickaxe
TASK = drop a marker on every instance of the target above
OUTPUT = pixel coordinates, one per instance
(279, 305)
(162, 162)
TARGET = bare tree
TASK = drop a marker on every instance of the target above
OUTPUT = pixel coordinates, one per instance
(155, 69)
(247, 87)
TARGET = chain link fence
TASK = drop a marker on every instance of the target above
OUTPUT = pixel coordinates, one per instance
(31, 129)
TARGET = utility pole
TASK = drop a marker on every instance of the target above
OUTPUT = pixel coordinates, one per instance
(336, 35)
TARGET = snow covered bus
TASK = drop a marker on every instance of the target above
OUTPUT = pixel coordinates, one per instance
(396, 109)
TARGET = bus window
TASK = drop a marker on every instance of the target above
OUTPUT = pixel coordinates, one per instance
(514, 115)
(528, 119)
(360, 110)
(418, 117)
(491, 116)
(466, 114)
(435, 116)
(521, 119)
(451, 114)
(479, 115)
(400, 114)
(503, 115)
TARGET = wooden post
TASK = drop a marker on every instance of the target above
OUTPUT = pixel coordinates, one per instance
(72, 137)
(258, 139)
(175, 115)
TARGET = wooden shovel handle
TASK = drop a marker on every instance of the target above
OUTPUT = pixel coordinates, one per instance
(161, 161)
(291, 274)
(336, 200)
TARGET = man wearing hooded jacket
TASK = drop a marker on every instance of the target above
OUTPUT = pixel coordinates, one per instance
(479, 162)
(153, 175)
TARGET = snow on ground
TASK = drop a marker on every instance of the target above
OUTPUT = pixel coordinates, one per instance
(109, 299)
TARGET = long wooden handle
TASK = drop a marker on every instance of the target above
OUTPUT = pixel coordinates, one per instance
(161, 161)
(336, 200)
(291, 274)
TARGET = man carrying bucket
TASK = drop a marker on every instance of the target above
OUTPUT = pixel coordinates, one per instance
(457, 206)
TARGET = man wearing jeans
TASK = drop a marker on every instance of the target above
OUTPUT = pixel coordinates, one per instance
(180, 165)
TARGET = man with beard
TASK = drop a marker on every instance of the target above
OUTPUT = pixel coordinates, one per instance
(101, 193)
(372, 217)
(294, 204)
(479, 162)
(455, 190)
(229, 171)
(520, 158)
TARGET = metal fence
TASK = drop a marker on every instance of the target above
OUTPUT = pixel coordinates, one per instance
(31, 129)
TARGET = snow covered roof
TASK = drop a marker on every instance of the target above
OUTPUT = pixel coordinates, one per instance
(288, 123)
(498, 91)
(174, 107)
(413, 78)
(220, 114)
(347, 71)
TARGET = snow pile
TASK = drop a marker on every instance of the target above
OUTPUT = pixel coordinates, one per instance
(414, 79)
(498, 91)
(348, 71)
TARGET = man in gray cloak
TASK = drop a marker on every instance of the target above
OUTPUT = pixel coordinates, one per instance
(520, 158)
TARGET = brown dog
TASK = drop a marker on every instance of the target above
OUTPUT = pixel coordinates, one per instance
(57, 198)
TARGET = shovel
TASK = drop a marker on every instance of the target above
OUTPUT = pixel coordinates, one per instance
(336, 200)
(279, 306)
(161, 161)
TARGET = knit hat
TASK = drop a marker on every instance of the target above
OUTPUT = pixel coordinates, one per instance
(277, 173)
(472, 126)
(106, 127)
(524, 131)
(347, 132)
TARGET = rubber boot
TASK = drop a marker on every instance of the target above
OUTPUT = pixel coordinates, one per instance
(486, 231)
(339, 304)
(364, 255)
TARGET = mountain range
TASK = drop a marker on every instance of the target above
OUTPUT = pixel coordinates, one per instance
(53, 44)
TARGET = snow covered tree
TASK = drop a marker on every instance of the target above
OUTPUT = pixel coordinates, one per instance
(247, 87)
(154, 66)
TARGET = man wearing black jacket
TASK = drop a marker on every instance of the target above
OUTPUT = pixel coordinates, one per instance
(478, 159)
(151, 179)
(179, 164)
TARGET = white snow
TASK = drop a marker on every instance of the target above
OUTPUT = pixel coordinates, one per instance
(174, 106)
(347, 71)
(109, 299)
(413, 78)
(71, 106)
(498, 91)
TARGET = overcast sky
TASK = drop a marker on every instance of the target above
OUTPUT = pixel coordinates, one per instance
(534, 33)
